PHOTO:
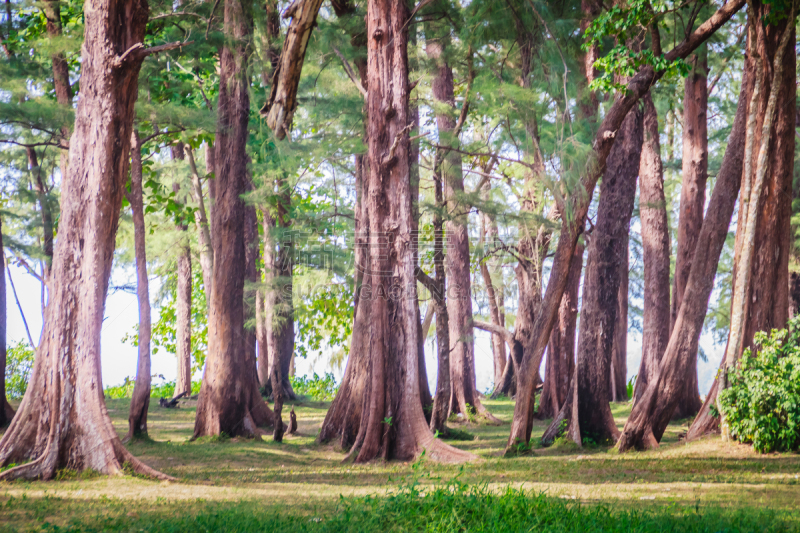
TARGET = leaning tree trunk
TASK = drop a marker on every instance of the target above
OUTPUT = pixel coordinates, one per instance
(140, 400)
(653, 410)
(560, 365)
(766, 293)
(571, 226)
(619, 350)
(229, 395)
(63, 422)
(392, 423)
(693, 198)
(656, 254)
(6, 411)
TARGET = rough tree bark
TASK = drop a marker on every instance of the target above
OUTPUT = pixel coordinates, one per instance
(6, 411)
(579, 202)
(229, 401)
(62, 421)
(140, 400)
(653, 410)
(282, 101)
(392, 423)
(766, 298)
(464, 397)
(693, 198)
(656, 252)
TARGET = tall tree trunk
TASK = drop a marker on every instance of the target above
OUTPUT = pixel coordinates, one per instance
(251, 253)
(140, 400)
(63, 422)
(63, 90)
(229, 394)
(654, 408)
(657, 251)
(571, 226)
(560, 365)
(693, 197)
(44, 210)
(619, 349)
(6, 411)
(766, 294)
(201, 223)
(183, 296)
(463, 392)
(494, 297)
(392, 423)
(266, 350)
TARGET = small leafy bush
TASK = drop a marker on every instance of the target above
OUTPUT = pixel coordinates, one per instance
(762, 403)
(19, 363)
(163, 390)
(317, 388)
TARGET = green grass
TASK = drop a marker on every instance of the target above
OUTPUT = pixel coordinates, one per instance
(248, 485)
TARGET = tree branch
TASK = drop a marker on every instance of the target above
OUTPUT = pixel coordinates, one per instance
(350, 74)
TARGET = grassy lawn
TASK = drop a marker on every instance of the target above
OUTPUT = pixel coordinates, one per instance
(246, 484)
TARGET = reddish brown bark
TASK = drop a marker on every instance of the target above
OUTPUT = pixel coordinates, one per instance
(656, 252)
(229, 400)
(560, 365)
(140, 399)
(767, 294)
(654, 409)
(693, 196)
(571, 226)
(617, 384)
(392, 423)
(63, 422)
(6, 411)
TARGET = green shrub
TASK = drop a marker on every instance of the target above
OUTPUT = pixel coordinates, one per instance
(163, 390)
(762, 402)
(317, 388)
(19, 362)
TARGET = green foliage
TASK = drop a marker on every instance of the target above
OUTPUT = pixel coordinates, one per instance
(762, 403)
(162, 390)
(630, 386)
(164, 333)
(19, 363)
(320, 389)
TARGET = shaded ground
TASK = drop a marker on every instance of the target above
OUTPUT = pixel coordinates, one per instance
(304, 478)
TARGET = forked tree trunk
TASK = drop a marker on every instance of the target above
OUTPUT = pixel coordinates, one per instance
(183, 297)
(656, 254)
(619, 350)
(693, 197)
(392, 423)
(140, 400)
(6, 411)
(63, 422)
(464, 397)
(653, 410)
(571, 226)
(229, 401)
(560, 365)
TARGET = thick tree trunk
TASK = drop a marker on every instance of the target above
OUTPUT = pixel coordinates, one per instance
(693, 197)
(766, 296)
(63, 422)
(229, 401)
(579, 202)
(619, 349)
(656, 246)
(140, 400)
(392, 423)
(6, 411)
(560, 366)
(654, 408)
(607, 251)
